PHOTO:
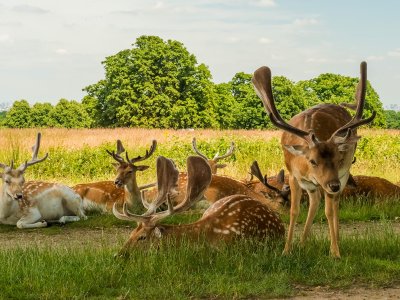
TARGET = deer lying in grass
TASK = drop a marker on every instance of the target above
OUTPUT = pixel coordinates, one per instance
(371, 187)
(318, 146)
(236, 216)
(35, 203)
(213, 163)
(103, 194)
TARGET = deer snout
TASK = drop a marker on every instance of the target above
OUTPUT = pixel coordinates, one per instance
(18, 196)
(334, 186)
(118, 183)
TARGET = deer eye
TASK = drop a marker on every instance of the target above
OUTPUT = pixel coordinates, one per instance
(313, 163)
(8, 181)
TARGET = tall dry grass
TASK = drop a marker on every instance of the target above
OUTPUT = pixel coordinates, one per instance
(78, 155)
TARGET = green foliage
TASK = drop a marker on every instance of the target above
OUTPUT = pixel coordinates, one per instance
(392, 119)
(156, 84)
(69, 114)
(333, 88)
(19, 115)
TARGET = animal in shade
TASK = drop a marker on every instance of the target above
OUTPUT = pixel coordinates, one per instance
(318, 146)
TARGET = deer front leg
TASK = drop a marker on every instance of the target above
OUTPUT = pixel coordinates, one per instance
(315, 199)
(295, 196)
(331, 212)
(31, 219)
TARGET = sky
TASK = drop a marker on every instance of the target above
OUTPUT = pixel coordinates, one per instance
(53, 49)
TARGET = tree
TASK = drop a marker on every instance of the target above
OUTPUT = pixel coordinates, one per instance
(156, 84)
(19, 115)
(69, 114)
(40, 114)
(392, 119)
(333, 88)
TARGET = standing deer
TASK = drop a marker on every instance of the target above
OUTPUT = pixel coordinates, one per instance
(318, 146)
(126, 175)
(35, 203)
(233, 217)
(214, 165)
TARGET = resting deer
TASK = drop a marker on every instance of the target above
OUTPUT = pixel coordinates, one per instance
(103, 194)
(273, 188)
(236, 216)
(35, 203)
(126, 175)
(374, 188)
(318, 146)
(214, 165)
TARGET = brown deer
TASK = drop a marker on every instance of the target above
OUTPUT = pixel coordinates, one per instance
(233, 217)
(103, 194)
(34, 203)
(318, 146)
(126, 175)
(273, 188)
(371, 187)
(214, 165)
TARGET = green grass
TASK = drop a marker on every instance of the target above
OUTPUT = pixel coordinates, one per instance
(242, 270)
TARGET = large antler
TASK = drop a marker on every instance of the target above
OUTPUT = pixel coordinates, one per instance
(147, 155)
(117, 155)
(199, 178)
(263, 86)
(357, 120)
(35, 151)
(255, 170)
(217, 157)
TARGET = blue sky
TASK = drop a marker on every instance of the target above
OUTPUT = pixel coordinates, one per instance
(52, 49)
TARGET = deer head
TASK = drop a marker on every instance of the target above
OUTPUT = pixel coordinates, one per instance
(149, 227)
(214, 165)
(126, 169)
(326, 153)
(275, 194)
(13, 179)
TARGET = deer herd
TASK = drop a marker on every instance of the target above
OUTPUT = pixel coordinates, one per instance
(318, 147)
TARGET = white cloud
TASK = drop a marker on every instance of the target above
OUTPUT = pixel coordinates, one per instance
(233, 39)
(159, 5)
(394, 53)
(62, 51)
(317, 60)
(26, 8)
(265, 3)
(4, 38)
(305, 22)
(264, 40)
(375, 57)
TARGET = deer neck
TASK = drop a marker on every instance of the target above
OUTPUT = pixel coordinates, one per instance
(193, 230)
(133, 197)
(8, 206)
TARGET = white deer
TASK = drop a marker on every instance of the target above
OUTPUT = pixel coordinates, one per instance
(35, 203)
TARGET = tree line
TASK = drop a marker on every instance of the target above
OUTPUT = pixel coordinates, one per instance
(159, 84)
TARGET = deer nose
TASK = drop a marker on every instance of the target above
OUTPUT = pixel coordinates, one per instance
(118, 182)
(18, 196)
(334, 186)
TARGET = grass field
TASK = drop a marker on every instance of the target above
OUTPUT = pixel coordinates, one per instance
(76, 261)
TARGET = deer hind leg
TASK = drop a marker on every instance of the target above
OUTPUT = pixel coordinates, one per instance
(32, 219)
(315, 199)
(295, 196)
(74, 203)
(332, 214)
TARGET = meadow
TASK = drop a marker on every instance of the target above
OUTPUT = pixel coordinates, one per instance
(76, 261)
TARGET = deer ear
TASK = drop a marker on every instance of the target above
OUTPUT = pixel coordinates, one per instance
(281, 176)
(297, 149)
(142, 168)
(220, 166)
